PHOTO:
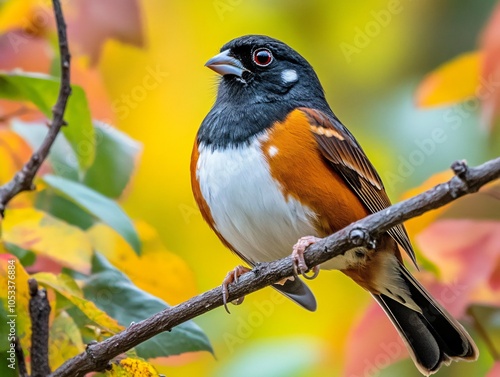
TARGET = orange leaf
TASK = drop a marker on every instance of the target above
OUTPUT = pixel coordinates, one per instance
(454, 81)
(45, 235)
(157, 270)
(14, 152)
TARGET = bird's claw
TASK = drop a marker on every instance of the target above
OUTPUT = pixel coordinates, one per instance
(299, 266)
(232, 276)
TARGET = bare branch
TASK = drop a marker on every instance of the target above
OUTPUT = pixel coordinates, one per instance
(23, 371)
(39, 315)
(23, 180)
(363, 232)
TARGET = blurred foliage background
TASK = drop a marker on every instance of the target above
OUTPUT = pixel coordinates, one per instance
(370, 56)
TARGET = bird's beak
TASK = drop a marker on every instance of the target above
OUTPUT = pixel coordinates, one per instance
(224, 64)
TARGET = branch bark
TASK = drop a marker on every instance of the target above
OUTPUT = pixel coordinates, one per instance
(361, 233)
(23, 180)
(21, 362)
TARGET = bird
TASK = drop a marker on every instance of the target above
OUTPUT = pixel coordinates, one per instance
(273, 169)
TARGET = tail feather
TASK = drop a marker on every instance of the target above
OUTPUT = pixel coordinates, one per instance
(298, 291)
(433, 336)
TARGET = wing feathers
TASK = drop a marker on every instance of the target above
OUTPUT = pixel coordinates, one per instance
(339, 147)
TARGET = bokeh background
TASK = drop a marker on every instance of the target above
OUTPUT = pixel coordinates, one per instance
(370, 56)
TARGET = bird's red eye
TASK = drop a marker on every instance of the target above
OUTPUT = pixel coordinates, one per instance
(262, 57)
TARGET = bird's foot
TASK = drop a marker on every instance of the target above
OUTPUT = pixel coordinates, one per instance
(299, 265)
(232, 277)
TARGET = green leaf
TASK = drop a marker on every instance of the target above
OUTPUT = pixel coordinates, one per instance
(51, 202)
(277, 358)
(113, 292)
(42, 91)
(26, 257)
(65, 340)
(61, 157)
(98, 205)
(116, 154)
(68, 288)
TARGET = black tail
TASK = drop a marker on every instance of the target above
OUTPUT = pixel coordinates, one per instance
(433, 337)
(297, 291)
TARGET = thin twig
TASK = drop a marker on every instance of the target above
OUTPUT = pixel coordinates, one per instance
(361, 233)
(39, 315)
(23, 180)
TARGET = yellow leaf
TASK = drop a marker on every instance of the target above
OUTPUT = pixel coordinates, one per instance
(15, 14)
(65, 340)
(417, 224)
(454, 81)
(14, 152)
(132, 368)
(157, 271)
(66, 286)
(32, 16)
(45, 235)
(14, 280)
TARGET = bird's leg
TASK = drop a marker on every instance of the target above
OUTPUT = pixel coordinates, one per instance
(299, 264)
(232, 276)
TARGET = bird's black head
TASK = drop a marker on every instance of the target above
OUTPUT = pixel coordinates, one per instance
(263, 79)
(257, 68)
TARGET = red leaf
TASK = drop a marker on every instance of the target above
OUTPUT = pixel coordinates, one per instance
(94, 21)
(373, 343)
(464, 250)
(495, 371)
(467, 253)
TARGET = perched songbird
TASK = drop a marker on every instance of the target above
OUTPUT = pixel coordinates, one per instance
(272, 164)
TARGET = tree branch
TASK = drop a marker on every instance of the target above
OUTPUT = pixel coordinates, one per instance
(21, 362)
(361, 233)
(23, 180)
(39, 314)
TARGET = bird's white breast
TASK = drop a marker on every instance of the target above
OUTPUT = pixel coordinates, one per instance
(247, 204)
